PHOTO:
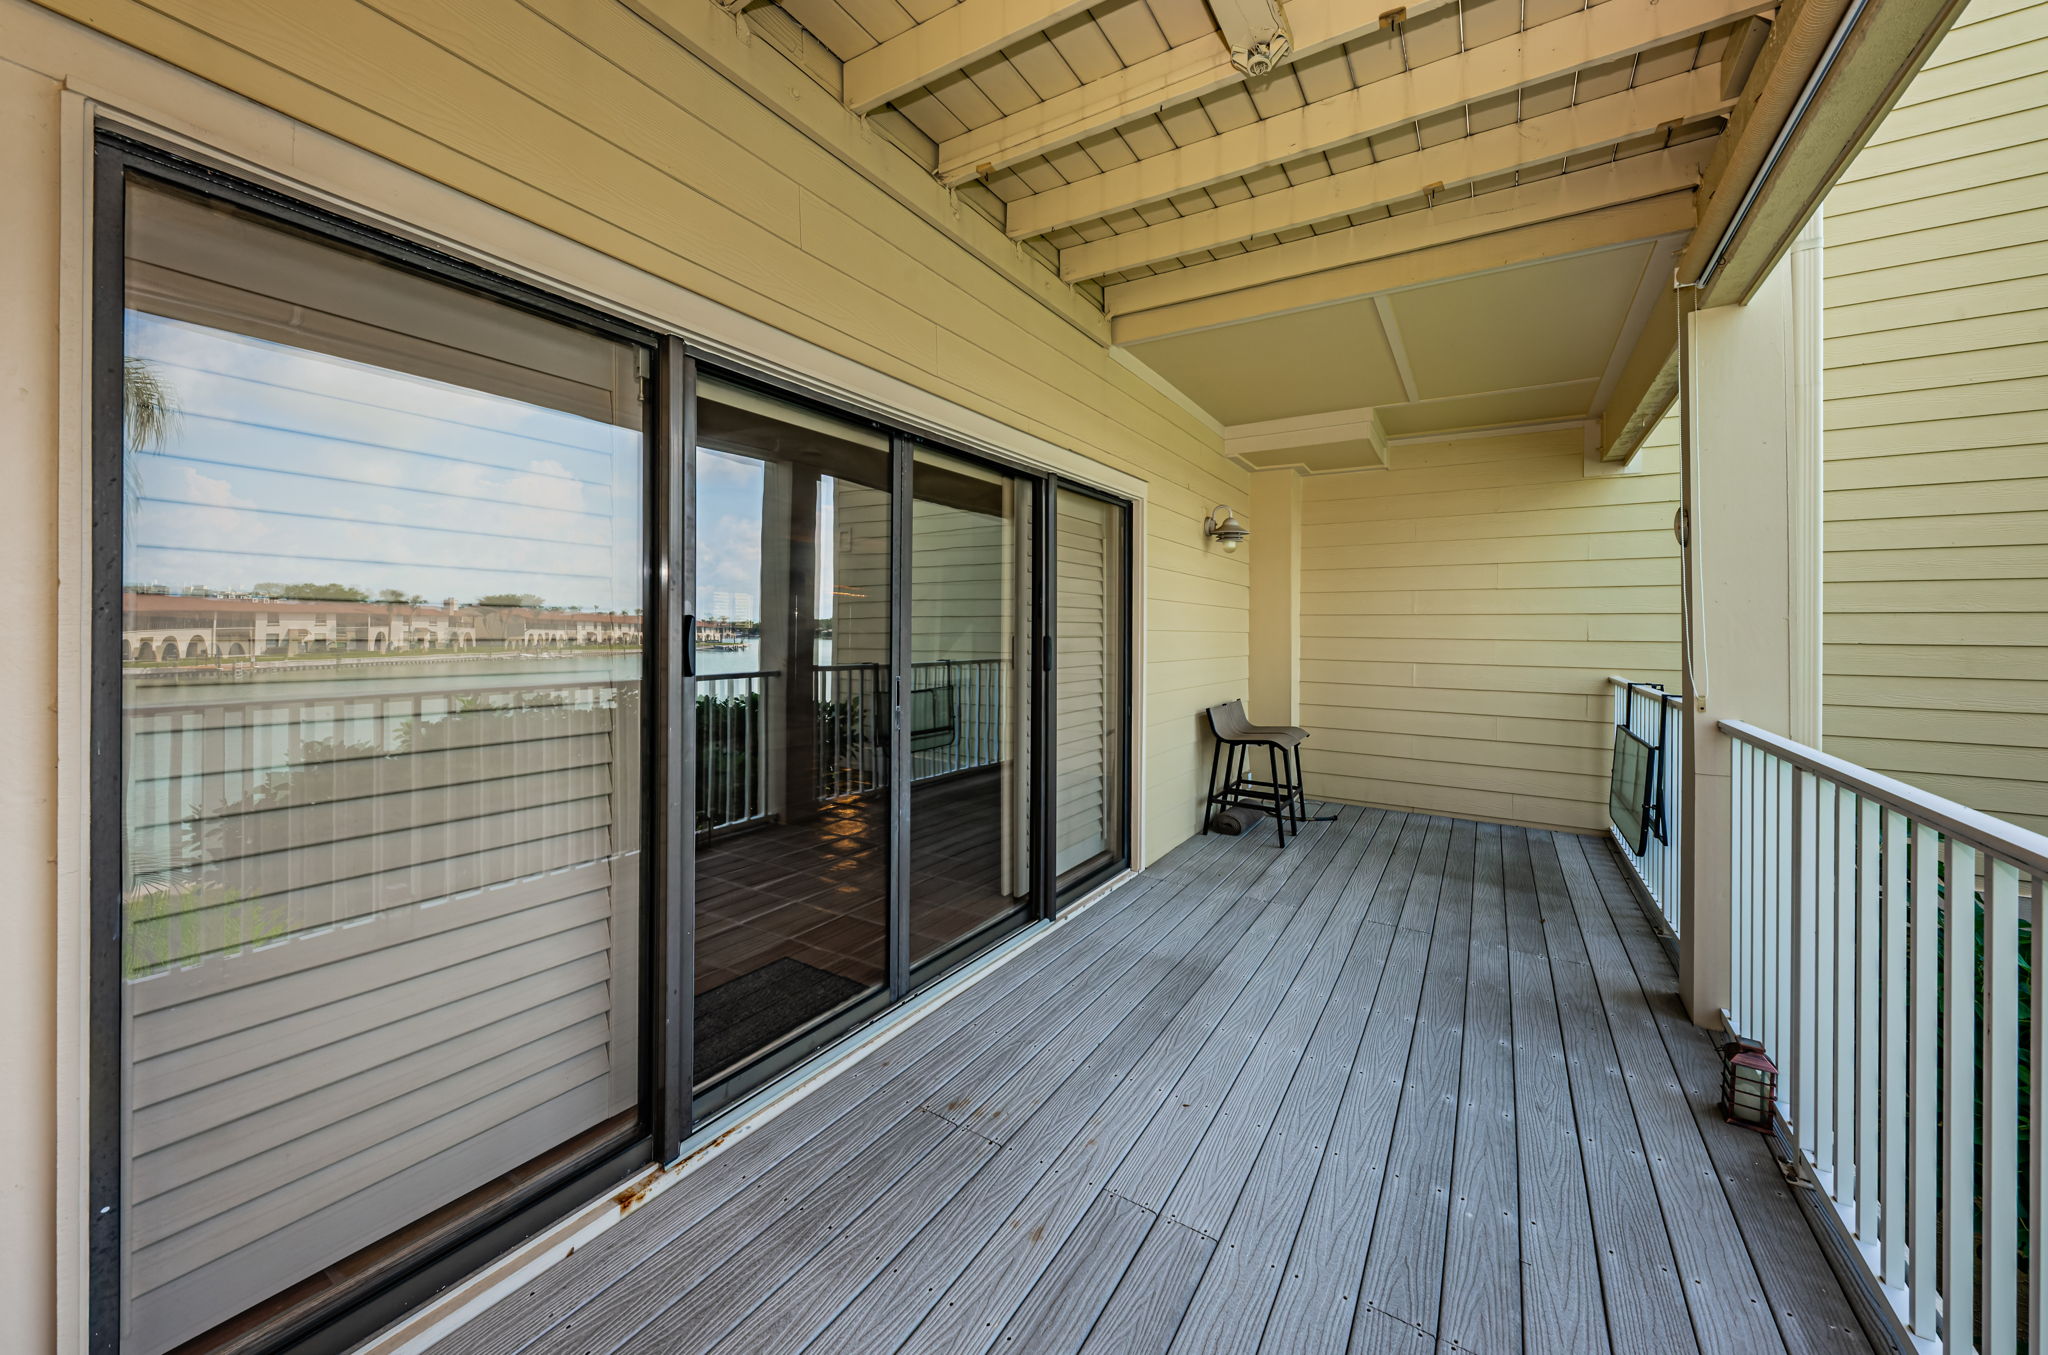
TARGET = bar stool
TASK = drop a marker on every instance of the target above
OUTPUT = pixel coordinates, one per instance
(1295, 734)
(1280, 794)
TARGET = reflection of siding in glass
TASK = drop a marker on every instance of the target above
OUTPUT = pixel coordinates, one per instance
(382, 754)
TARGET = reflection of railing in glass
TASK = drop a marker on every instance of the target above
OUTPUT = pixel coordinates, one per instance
(732, 762)
(253, 822)
(852, 729)
(957, 722)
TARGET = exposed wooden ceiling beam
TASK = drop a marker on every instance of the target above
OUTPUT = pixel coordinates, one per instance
(1617, 29)
(1655, 284)
(1512, 247)
(1673, 171)
(1523, 145)
(943, 44)
(1188, 71)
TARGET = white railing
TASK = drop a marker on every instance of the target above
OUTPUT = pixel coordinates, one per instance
(1652, 715)
(1901, 1053)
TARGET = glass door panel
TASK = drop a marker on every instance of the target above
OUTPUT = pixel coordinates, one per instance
(381, 757)
(1089, 692)
(968, 706)
(791, 696)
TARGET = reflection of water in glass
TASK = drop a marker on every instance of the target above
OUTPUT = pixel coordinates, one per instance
(745, 659)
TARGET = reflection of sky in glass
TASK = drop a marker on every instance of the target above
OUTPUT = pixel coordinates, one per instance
(289, 466)
(729, 499)
(729, 490)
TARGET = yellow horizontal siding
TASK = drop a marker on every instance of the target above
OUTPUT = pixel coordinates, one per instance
(584, 117)
(1936, 577)
(1460, 614)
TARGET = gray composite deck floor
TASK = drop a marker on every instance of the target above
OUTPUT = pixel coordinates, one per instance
(1412, 1084)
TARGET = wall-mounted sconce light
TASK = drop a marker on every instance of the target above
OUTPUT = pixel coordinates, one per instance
(1224, 529)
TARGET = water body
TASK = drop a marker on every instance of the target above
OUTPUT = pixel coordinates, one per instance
(425, 675)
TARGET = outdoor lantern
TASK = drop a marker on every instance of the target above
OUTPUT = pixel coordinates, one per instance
(1228, 533)
(1749, 1084)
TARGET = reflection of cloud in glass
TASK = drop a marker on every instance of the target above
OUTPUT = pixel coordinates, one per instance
(293, 465)
(730, 498)
(729, 495)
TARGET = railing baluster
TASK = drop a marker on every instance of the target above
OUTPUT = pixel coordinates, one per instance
(1892, 1087)
(1868, 1049)
(1741, 902)
(1958, 1111)
(1847, 1130)
(1923, 1174)
(1803, 1067)
(1759, 923)
(1820, 1139)
(1785, 893)
(1767, 914)
(2000, 1093)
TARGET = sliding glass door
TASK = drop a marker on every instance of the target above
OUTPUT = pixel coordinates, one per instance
(792, 692)
(379, 757)
(517, 740)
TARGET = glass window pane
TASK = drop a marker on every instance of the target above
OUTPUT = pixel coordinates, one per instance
(792, 724)
(969, 711)
(382, 751)
(1089, 692)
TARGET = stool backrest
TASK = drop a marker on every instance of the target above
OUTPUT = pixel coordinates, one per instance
(1228, 721)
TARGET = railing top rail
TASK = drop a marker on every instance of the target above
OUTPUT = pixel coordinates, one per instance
(2021, 846)
(1670, 698)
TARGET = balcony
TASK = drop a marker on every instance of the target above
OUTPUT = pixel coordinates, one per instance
(609, 722)
(1414, 1083)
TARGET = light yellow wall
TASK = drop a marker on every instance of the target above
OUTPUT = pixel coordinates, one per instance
(628, 143)
(1937, 427)
(1274, 695)
(1461, 612)
(618, 142)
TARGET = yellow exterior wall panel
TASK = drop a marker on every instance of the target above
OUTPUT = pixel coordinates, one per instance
(589, 120)
(1460, 614)
(1936, 576)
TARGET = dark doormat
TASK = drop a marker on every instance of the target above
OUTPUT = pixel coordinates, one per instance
(754, 1010)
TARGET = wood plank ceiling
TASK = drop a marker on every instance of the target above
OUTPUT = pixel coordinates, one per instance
(1385, 157)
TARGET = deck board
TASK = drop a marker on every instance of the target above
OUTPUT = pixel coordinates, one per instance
(1411, 1084)
(1063, 1308)
(1483, 1247)
(1646, 1307)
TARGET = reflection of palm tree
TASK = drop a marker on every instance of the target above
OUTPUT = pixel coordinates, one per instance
(149, 411)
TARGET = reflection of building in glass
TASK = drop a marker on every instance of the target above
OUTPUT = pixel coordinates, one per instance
(535, 628)
(732, 606)
(158, 627)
